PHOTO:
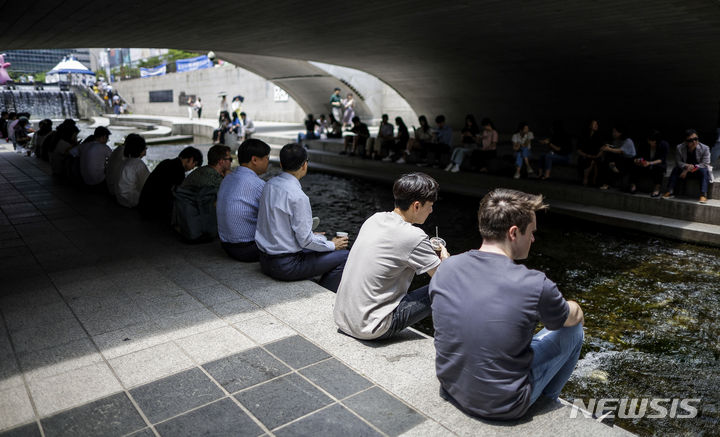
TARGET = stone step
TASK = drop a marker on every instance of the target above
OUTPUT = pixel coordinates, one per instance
(169, 139)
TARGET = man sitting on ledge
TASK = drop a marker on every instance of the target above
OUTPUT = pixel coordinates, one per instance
(485, 309)
(373, 302)
(692, 160)
(289, 250)
(238, 200)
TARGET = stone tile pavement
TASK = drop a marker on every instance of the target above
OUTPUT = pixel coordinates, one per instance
(111, 326)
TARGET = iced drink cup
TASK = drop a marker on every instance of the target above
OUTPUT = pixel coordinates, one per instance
(437, 244)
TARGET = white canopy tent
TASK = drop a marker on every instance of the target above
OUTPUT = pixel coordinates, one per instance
(70, 70)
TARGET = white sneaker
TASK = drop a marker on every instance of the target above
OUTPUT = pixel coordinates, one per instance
(517, 175)
(455, 169)
(400, 161)
(449, 167)
(387, 159)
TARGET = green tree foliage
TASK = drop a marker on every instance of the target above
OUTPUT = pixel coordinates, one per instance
(171, 56)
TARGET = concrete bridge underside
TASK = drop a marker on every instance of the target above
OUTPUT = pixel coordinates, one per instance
(650, 62)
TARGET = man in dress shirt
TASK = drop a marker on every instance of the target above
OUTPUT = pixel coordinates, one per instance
(238, 199)
(289, 250)
(248, 126)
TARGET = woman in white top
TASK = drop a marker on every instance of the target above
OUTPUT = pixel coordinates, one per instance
(348, 105)
(134, 172)
(522, 141)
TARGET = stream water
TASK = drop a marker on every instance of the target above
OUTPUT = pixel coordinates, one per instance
(652, 306)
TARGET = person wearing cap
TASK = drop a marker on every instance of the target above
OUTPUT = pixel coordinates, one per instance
(289, 250)
(94, 156)
(373, 302)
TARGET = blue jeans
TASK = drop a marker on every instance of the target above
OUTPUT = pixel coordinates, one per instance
(459, 153)
(306, 136)
(551, 158)
(555, 354)
(305, 265)
(414, 307)
(701, 173)
(520, 156)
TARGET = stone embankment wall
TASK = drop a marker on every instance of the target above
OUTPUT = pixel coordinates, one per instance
(208, 84)
(88, 104)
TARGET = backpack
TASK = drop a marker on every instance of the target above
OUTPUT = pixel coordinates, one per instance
(194, 215)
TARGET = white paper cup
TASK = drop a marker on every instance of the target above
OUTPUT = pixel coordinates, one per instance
(341, 234)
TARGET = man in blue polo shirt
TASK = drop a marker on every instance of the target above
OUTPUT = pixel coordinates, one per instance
(485, 309)
(289, 250)
(238, 200)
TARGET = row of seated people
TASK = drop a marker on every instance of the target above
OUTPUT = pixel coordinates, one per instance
(600, 161)
(272, 223)
(242, 127)
(170, 192)
(320, 128)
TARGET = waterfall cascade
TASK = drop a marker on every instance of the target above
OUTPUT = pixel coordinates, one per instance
(44, 103)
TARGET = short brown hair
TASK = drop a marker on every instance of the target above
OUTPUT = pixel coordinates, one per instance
(216, 153)
(503, 208)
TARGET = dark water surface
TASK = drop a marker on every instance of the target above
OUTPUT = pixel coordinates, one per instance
(652, 306)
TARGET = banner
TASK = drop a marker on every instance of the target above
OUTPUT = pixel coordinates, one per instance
(154, 71)
(193, 64)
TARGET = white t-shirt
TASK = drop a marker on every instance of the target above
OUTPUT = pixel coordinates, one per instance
(93, 160)
(519, 138)
(386, 256)
(130, 184)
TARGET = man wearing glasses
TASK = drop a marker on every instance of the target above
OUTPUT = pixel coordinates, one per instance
(692, 160)
(289, 250)
(211, 175)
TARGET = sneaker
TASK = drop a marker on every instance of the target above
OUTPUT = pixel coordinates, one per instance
(449, 167)
(703, 199)
(517, 175)
(613, 168)
(387, 159)
(400, 161)
(455, 169)
(655, 194)
(604, 187)
(530, 171)
(668, 195)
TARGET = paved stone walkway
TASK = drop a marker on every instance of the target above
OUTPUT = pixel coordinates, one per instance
(111, 326)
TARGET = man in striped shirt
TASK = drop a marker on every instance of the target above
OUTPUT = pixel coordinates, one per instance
(238, 200)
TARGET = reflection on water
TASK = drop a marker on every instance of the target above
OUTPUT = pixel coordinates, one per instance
(651, 305)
